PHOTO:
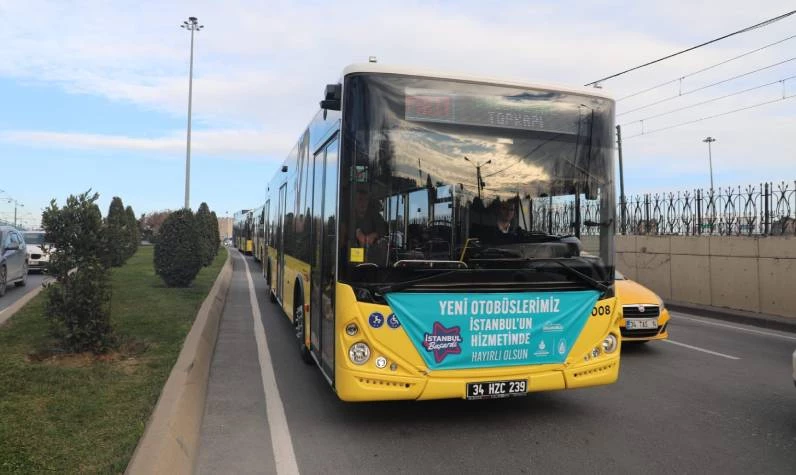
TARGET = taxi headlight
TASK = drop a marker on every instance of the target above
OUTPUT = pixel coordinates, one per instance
(610, 343)
(359, 353)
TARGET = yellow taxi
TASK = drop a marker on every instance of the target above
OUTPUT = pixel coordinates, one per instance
(645, 318)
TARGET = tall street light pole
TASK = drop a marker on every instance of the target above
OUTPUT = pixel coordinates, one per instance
(710, 140)
(191, 25)
(479, 181)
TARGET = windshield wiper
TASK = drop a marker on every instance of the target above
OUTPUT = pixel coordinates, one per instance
(411, 283)
(593, 283)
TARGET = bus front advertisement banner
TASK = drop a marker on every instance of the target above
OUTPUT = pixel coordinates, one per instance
(464, 331)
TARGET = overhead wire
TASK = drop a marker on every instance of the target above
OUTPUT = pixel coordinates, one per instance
(744, 30)
(709, 117)
(670, 98)
(711, 100)
(705, 69)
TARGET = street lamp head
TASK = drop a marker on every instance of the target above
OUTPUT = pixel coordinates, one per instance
(488, 161)
(192, 19)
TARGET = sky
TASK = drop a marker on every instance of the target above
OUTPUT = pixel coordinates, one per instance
(94, 94)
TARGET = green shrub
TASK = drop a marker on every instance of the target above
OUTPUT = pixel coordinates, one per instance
(78, 307)
(78, 303)
(178, 248)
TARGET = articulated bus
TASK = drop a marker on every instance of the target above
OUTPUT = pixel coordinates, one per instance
(411, 240)
(258, 233)
(242, 231)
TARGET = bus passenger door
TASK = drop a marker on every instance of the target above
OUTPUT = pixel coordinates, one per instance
(324, 221)
(280, 243)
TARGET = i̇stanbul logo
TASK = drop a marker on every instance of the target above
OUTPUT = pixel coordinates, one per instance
(443, 341)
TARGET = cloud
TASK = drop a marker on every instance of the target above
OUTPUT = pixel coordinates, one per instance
(261, 66)
(228, 143)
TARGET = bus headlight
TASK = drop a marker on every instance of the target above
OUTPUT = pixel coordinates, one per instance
(610, 343)
(351, 329)
(359, 353)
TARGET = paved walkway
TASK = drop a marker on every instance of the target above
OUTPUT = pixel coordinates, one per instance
(235, 437)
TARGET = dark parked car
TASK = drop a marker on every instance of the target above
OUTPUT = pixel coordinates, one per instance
(13, 258)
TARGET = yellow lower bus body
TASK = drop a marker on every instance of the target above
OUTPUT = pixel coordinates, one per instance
(406, 376)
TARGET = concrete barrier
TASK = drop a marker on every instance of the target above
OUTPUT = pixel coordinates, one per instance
(171, 439)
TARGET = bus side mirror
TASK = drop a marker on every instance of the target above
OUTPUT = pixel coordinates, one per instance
(333, 97)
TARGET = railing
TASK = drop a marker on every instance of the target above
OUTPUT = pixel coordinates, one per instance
(766, 209)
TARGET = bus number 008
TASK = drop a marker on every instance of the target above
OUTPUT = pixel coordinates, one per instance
(601, 310)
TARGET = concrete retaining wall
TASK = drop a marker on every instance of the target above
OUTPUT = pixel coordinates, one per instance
(754, 274)
(171, 439)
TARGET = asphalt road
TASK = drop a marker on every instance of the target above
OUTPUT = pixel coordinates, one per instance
(15, 293)
(717, 398)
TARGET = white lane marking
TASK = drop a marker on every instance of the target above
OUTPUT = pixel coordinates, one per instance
(702, 350)
(748, 330)
(284, 457)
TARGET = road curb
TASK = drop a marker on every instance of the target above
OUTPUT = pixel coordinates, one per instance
(171, 438)
(771, 322)
(15, 307)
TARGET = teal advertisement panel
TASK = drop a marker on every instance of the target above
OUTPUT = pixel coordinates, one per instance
(459, 331)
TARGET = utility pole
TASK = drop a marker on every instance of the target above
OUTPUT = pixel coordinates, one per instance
(710, 140)
(622, 204)
(191, 25)
(479, 182)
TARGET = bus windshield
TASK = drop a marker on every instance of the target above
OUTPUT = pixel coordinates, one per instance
(462, 183)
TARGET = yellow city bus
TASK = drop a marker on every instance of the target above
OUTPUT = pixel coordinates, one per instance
(423, 237)
(258, 233)
(242, 231)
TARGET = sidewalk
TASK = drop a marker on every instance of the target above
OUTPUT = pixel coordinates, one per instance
(773, 322)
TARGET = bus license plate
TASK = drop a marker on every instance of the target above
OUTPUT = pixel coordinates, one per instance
(497, 389)
(641, 324)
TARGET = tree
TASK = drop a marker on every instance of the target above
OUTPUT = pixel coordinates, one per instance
(177, 250)
(133, 231)
(150, 224)
(117, 233)
(78, 303)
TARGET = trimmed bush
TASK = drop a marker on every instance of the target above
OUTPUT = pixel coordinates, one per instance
(178, 248)
(214, 231)
(133, 232)
(117, 233)
(206, 238)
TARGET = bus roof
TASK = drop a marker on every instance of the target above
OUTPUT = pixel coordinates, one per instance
(407, 71)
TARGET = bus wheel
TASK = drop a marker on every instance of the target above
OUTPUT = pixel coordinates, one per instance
(298, 325)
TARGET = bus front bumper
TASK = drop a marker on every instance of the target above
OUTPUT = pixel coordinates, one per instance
(353, 385)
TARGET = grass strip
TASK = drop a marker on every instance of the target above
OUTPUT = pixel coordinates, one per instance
(85, 414)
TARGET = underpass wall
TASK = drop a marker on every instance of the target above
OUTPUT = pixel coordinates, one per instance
(754, 274)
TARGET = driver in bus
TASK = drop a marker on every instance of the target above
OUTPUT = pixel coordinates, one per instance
(370, 227)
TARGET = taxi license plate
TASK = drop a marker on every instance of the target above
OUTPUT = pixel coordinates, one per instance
(641, 324)
(497, 389)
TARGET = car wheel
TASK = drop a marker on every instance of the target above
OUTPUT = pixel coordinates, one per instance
(3, 276)
(298, 324)
(24, 281)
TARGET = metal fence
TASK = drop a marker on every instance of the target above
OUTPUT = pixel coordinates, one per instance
(767, 209)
